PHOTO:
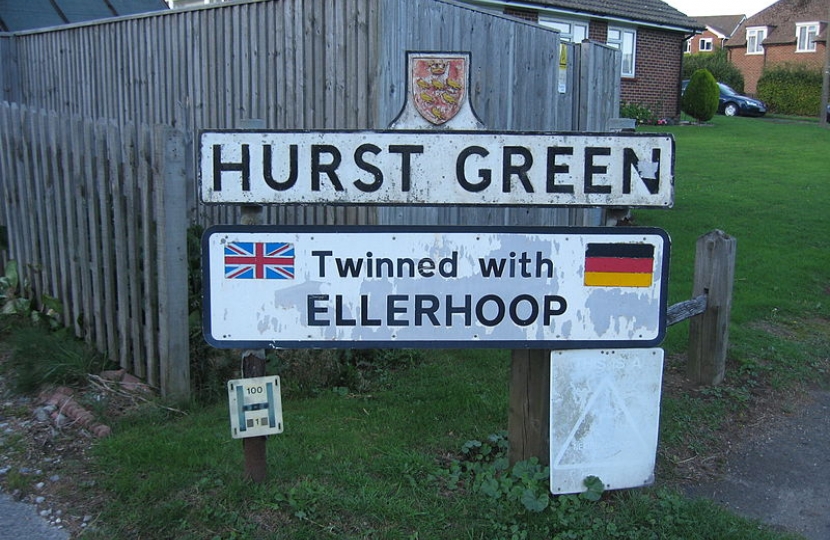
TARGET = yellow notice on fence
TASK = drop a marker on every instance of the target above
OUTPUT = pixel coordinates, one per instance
(563, 68)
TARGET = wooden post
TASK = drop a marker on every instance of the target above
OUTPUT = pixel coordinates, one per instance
(528, 423)
(174, 334)
(709, 331)
(256, 466)
(253, 361)
(253, 365)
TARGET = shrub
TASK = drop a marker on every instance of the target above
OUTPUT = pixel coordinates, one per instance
(700, 100)
(718, 65)
(641, 113)
(791, 89)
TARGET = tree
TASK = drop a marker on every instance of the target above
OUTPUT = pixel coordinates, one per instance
(700, 100)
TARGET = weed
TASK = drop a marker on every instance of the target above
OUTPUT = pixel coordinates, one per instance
(40, 357)
(17, 480)
(16, 299)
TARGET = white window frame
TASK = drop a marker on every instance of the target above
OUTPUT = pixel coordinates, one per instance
(571, 31)
(805, 35)
(705, 45)
(755, 36)
(687, 46)
(625, 41)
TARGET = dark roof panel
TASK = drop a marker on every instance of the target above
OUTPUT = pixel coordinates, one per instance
(19, 15)
(134, 7)
(780, 20)
(83, 10)
(724, 25)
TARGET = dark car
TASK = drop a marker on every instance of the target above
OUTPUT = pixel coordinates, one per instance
(732, 103)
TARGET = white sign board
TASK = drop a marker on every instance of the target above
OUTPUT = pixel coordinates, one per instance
(255, 407)
(604, 417)
(465, 287)
(436, 168)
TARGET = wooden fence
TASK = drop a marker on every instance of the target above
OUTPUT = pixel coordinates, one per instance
(299, 64)
(293, 64)
(95, 213)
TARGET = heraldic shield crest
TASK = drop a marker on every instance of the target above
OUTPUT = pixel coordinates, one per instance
(439, 86)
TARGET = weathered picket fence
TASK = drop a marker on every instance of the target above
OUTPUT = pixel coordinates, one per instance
(293, 64)
(96, 216)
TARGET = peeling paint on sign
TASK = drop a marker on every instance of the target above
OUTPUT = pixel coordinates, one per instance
(437, 168)
(428, 287)
(604, 417)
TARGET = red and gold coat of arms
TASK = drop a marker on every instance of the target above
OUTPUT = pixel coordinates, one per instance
(439, 87)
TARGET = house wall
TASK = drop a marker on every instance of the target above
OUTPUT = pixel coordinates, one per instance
(752, 65)
(656, 84)
(717, 42)
(785, 54)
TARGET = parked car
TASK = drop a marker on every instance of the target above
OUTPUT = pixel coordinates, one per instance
(731, 103)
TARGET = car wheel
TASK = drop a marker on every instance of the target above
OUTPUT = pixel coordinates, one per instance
(730, 110)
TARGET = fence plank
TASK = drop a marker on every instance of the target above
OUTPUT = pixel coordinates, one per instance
(148, 252)
(172, 269)
(92, 180)
(69, 166)
(121, 270)
(709, 332)
(132, 257)
(684, 310)
(107, 164)
(45, 271)
(55, 158)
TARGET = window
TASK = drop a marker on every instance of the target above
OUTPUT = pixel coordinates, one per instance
(705, 44)
(687, 46)
(624, 39)
(570, 31)
(754, 37)
(806, 34)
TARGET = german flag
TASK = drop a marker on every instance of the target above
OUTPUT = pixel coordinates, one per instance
(619, 265)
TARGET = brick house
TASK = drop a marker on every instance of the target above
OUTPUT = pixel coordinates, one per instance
(719, 29)
(787, 32)
(650, 33)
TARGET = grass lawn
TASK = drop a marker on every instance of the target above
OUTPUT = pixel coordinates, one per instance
(420, 452)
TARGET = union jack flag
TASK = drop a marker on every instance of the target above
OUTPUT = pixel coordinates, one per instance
(259, 260)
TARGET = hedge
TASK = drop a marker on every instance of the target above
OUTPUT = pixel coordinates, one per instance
(791, 89)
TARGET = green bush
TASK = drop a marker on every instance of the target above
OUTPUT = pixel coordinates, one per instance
(640, 113)
(700, 100)
(791, 89)
(718, 65)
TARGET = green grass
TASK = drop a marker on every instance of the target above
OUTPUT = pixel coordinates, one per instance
(764, 183)
(386, 465)
(395, 460)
